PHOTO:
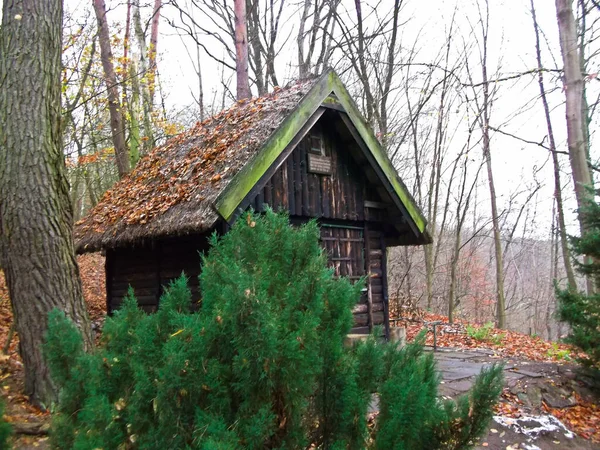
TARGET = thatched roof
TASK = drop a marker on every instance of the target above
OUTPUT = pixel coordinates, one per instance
(172, 189)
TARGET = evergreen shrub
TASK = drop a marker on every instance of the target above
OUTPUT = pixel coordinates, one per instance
(581, 310)
(262, 364)
(5, 429)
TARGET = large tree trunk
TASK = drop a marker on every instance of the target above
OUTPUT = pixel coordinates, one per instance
(241, 50)
(36, 216)
(573, 82)
(117, 122)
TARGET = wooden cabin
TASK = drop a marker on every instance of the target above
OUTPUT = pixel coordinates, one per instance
(304, 149)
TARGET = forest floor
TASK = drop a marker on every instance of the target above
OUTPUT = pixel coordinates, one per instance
(543, 392)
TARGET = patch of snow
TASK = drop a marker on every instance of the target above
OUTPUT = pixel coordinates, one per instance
(534, 426)
(531, 447)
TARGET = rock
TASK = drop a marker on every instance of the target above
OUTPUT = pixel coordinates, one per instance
(556, 398)
(534, 394)
(524, 398)
(527, 373)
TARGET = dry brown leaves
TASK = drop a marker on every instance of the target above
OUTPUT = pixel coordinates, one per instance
(583, 418)
(190, 165)
(507, 343)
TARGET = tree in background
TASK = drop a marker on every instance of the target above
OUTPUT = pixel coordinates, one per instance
(241, 51)
(117, 120)
(577, 125)
(36, 239)
(262, 364)
(581, 311)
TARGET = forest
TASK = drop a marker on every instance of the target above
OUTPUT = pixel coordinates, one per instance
(486, 109)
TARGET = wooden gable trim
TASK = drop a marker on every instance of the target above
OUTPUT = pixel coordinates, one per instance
(374, 148)
(243, 183)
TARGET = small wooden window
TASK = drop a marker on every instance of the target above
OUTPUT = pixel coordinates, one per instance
(316, 144)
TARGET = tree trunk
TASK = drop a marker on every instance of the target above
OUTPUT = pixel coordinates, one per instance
(36, 217)
(117, 123)
(241, 50)
(500, 301)
(154, 47)
(573, 82)
(557, 184)
(143, 85)
(484, 121)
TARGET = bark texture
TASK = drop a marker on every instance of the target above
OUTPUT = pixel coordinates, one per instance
(36, 216)
(117, 122)
(556, 164)
(241, 50)
(573, 82)
(154, 45)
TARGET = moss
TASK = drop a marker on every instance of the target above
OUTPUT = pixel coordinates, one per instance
(249, 176)
(241, 185)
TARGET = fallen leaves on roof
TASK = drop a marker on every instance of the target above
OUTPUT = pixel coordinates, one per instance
(189, 171)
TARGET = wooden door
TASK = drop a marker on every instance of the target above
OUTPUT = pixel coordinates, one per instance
(346, 255)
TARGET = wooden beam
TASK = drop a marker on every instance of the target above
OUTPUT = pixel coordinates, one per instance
(368, 273)
(242, 183)
(376, 205)
(331, 102)
(277, 164)
(365, 137)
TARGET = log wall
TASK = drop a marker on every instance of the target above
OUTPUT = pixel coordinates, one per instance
(149, 268)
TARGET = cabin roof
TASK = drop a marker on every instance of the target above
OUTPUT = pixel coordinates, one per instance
(197, 177)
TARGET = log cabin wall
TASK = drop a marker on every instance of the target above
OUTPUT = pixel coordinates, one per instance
(333, 188)
(148, 268)
(320, 179)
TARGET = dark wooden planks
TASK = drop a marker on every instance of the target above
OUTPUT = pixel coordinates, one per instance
(341, 195)
(148, 269)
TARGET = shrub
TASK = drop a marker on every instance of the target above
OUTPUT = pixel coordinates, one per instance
(555, 352)
(580, 310)
(5, 429)
(411, 415)
(261, 365)
(485, 333)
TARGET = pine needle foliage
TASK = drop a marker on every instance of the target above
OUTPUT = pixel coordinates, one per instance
(411, 415)
(262, 364)
(579, 310)
(5, 429)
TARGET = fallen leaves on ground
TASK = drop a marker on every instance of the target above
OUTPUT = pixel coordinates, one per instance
(503, 342)
(583, 418)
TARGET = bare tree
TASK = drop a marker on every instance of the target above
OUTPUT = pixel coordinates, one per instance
(146, 82)
(483, 110)
(573, 82)
(117, 121)
(154, 47)
(241, 50)
(557, 184)
(316, 26)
